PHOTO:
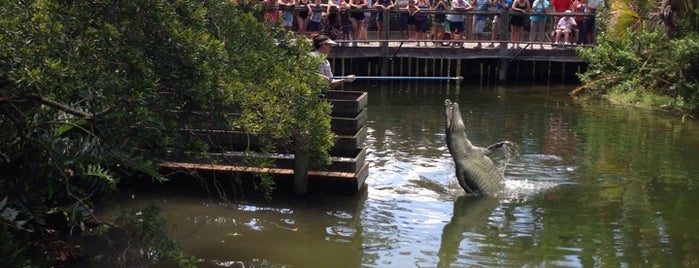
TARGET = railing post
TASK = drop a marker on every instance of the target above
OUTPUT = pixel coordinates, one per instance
(301, 164)
(503, 22)
(384, 44)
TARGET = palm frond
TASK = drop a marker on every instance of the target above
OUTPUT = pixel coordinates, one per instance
(623, 18)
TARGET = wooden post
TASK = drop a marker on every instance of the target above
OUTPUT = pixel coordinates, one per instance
(504, 33)
(384, 45)
(301, 163)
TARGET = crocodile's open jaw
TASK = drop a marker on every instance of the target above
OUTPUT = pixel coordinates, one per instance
(449, 111)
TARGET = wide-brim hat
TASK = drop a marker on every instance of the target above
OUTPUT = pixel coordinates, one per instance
(329, 42)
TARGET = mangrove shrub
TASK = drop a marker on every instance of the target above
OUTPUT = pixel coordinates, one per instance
(96, 92)
(647, 55)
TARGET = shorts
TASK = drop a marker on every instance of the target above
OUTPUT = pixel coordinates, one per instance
(303, 14)
(411, 20)
(421, 25)
(379, 16)
(315, 26)
(402, 21)
(288, 19)
(359, 16)
(589, 24)
(439, 19)
(478, 25)
(456, 26)
(517, 20)
(347, 29)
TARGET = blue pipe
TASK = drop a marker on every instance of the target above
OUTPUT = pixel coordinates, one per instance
(403, 77)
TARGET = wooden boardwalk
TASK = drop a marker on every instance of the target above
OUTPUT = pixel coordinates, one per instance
(468, 50)
(229, 150)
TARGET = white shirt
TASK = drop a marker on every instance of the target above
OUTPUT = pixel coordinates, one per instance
(566, 23)
(324, 69)
(457, 4)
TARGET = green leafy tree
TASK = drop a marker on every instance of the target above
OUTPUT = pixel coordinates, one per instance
(95, 92)
(647, 55)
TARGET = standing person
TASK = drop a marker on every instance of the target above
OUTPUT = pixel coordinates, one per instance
(302, 17)
(589, 23)
(421, 25)
(381, 5)
(536, 32)
(579, 7)
(272, 14)
(438, 21)
(479, 20)
(322, 46)
(412, 10)
(367, 19)
(316, 21)
(287, 14)
(346, 22)
(561, 6)
(519, 8)
(565, 27)
(456, 21)
(357, 17)
(500, 5)
(402, 18)
(333, 13)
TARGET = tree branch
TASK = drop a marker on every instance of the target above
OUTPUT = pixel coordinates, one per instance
(60, 106)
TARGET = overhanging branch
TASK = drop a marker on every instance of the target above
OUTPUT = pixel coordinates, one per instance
(51, 103)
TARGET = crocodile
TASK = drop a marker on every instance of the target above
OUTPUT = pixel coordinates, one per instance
(475, 171)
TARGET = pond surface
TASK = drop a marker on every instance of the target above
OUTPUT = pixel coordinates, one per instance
(593, 185)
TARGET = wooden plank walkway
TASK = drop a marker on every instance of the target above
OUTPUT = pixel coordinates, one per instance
(528, 51)
(319, 180)
(257, 170)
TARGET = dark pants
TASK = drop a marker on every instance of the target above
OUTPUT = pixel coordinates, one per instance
(456, 26)
(588, 27)
(581, 33)
(402, 21)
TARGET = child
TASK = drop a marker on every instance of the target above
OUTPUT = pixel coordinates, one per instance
(479, 20)
(438, 21)
(346, 22)
(316, 21)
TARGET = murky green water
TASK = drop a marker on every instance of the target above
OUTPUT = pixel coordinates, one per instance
(594, 186)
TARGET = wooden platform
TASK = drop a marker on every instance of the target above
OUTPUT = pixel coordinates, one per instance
(318, 180)
(347, 172)
(528, 51)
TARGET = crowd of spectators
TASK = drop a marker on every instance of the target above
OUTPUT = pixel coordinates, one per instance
(349, 20)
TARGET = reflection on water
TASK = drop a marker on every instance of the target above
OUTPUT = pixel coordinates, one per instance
(593, 185)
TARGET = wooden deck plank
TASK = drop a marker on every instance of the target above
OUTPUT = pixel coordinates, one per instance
(248, 169)
(529, 51)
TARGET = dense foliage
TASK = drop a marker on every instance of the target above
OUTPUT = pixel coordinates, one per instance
(94, 92)
(646, 68)
(648, 55)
